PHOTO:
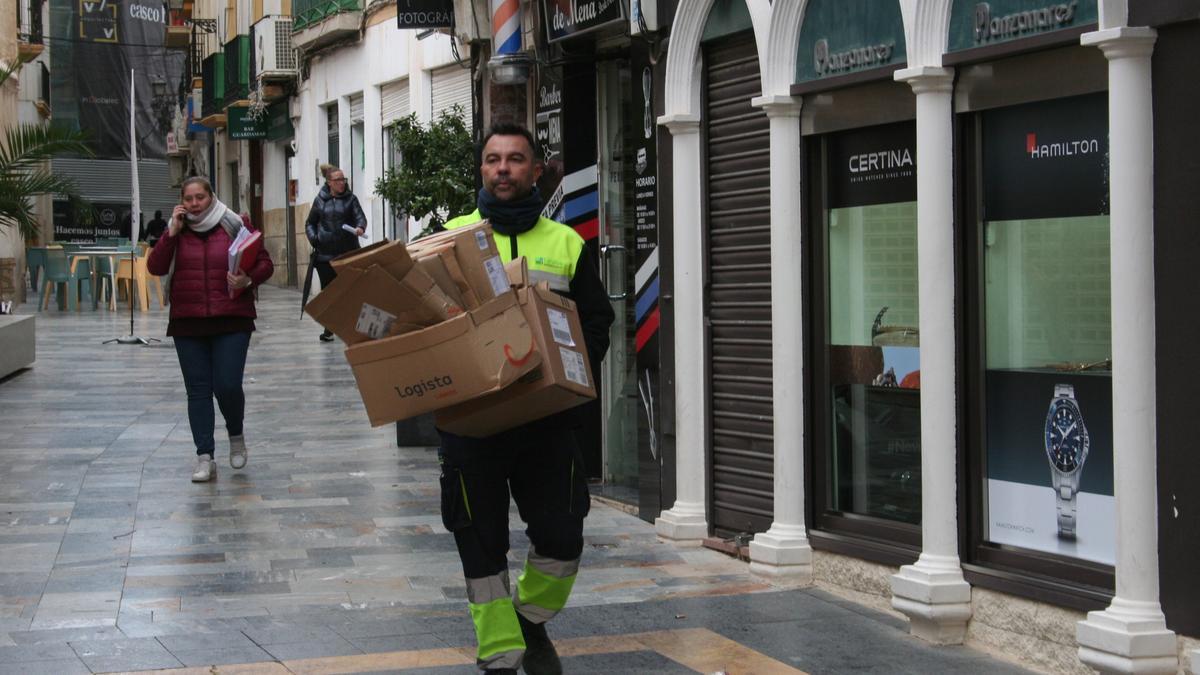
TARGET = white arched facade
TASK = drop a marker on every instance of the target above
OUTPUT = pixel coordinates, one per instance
(1130, 636)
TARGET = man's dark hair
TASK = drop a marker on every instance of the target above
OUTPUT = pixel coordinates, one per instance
(511, 129)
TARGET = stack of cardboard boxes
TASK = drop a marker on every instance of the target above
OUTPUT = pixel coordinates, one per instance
(442, 325)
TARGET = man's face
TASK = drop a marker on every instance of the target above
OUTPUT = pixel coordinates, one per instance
(509, 169)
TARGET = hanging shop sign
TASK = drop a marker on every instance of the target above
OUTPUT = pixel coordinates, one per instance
(568, 18)
(1053, 156)
(876, 165)
(424, 13)
(244, 127)
(842, 37)
(548, 133)
(980, 24)
(108, 220)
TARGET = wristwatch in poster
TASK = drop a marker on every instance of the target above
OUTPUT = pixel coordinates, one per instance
(1067, 445)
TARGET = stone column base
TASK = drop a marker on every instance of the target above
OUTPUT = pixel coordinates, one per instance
(682, 524)
(1195, 659)
(936, 599)
(1128, 637)
(782, 551)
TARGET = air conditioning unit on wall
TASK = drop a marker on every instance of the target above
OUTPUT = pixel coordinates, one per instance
(274, 55)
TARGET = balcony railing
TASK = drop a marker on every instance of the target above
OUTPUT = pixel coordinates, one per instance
(29, 21)
(213, 69)
(306, 13)
(237, 69)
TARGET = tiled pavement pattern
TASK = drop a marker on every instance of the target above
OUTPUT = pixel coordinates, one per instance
(328, 546)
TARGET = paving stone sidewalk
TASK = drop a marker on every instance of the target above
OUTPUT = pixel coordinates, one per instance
(328, 544)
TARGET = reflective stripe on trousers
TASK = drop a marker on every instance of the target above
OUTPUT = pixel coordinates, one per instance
(544, 586)
(496, 628)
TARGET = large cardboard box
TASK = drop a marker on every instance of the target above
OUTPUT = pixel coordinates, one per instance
(392, 256)
(471, 355)
(368, 304)
(476, 254)
(562, 381)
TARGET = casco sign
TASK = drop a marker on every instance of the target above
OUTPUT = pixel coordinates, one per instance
(143, 13)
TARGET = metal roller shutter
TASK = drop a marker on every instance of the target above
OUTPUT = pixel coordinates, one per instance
(450, 86)
(394, 97)
(105, 180)
(738, 303)
(356, 109)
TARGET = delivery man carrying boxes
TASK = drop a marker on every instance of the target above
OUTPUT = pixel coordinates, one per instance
(539, 462)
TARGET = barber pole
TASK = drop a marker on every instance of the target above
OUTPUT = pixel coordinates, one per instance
(506, 27)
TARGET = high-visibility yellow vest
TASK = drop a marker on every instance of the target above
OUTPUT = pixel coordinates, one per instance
(551, 249)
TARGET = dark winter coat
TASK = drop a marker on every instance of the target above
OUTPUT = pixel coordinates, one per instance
(325, 220)
(199, 287)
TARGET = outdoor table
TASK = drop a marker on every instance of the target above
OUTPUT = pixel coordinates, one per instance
(113, 253)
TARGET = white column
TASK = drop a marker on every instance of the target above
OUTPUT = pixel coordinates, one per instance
(686, 521)
(1131, 636)
(373, 147)
(932, 591)
(783, 550)
(344, 156)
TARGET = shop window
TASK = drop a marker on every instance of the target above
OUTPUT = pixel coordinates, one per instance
(1039, 353)
(866, 409)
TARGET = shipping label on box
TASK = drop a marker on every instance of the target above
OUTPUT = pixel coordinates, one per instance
(562, 381)
(472, 355)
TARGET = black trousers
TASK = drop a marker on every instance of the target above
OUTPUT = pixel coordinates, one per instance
(540, 465)
(325, 273)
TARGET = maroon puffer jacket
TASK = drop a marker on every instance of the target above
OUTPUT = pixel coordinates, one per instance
(199, 287)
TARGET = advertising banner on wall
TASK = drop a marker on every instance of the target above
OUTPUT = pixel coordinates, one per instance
(108, 220)
(1052, 156)
(876, 165)
(643, 137)
(1050, 463)
(101, 43)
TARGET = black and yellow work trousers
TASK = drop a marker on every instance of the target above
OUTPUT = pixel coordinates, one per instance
(540, 465)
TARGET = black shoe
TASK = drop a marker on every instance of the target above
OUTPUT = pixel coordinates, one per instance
(327, 336)
(540, 655)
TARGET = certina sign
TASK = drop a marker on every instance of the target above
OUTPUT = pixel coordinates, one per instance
(859, 58)
(1084, 146)
(882, 164)
(990, 28)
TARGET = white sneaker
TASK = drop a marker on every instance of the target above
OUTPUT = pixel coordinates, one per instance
(206, 469)
(237, 451)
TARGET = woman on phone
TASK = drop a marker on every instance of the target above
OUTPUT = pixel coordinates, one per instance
(335, 222)
(212, 315)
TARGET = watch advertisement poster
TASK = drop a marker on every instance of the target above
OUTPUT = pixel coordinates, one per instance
(1050, 463)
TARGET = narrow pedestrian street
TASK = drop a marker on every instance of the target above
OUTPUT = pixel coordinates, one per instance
(326, 554)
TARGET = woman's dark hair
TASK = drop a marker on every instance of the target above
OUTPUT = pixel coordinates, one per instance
(510, 129)
(196, 180)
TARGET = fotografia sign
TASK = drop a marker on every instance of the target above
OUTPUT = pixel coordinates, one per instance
(424, 13)
(568, 18)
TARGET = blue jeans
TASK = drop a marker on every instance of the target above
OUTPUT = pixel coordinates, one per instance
(213, 365)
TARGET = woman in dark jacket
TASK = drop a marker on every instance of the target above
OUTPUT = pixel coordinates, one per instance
(212, 316)
(334, 207)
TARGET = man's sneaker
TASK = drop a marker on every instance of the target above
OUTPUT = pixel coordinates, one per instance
(206, 469)
(237, 451)
(327, 336)
(540, 656)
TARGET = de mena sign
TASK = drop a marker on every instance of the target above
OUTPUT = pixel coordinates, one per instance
(567, 18)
